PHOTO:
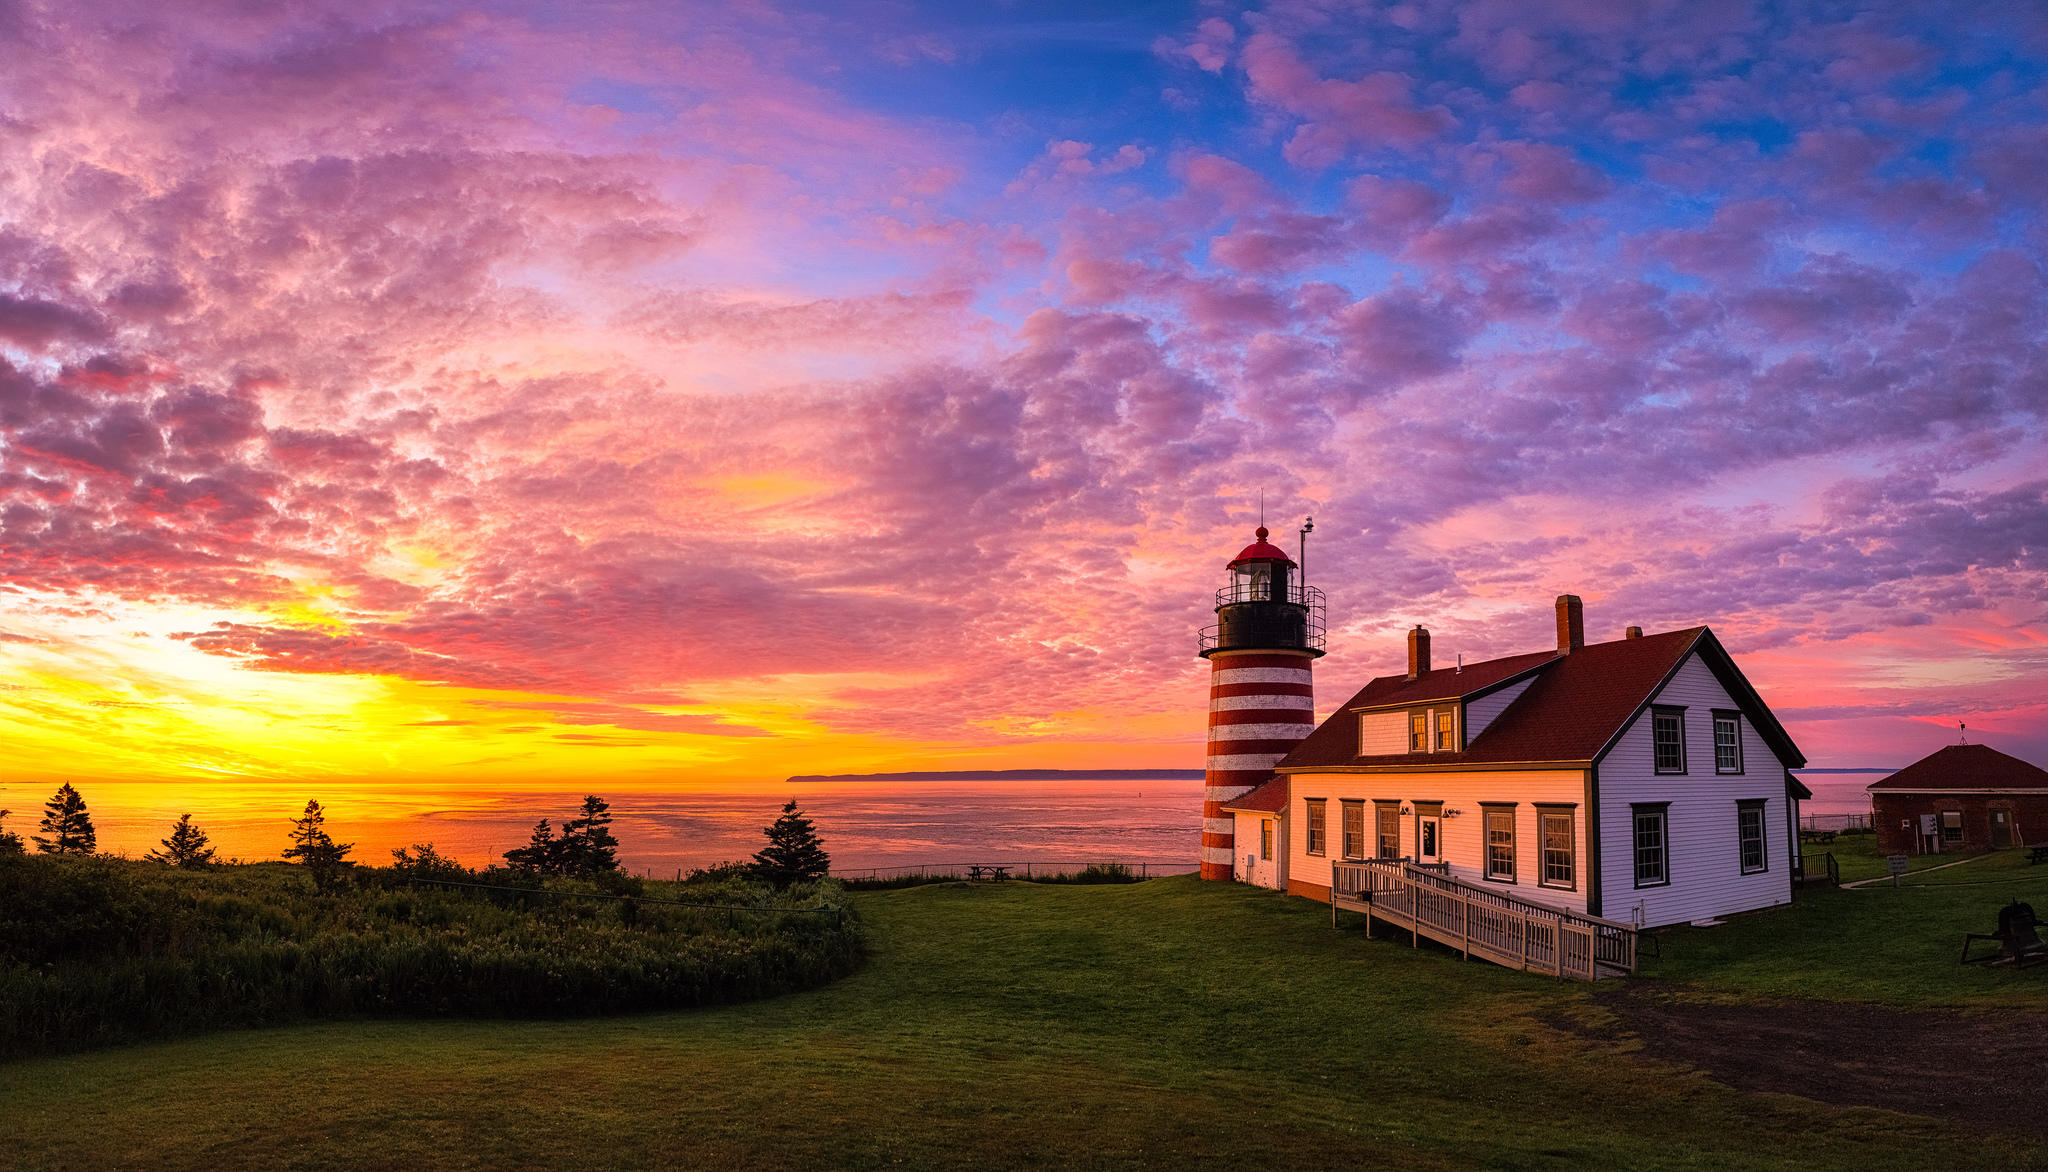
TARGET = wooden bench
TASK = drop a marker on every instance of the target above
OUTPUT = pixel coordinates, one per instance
(1823, 837)
(2038, 854)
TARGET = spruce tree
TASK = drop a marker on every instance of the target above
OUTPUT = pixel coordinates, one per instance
(10, 842)
(68, 825)
(310, 846)
(794, 851)
(186, 847)
(542, 853)
(587, 846)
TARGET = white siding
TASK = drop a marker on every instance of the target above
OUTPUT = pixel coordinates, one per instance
(1485, 710)
(1463, 835)
(1381, 733)
(1705, 866)
(1250, 867)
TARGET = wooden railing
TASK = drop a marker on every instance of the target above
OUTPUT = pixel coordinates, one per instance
(1482, 922)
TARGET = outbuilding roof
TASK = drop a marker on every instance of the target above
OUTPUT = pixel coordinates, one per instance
(1965, 768)
(1572, 711)
(1269, 798)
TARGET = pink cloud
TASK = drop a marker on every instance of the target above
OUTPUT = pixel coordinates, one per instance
(1375, 111)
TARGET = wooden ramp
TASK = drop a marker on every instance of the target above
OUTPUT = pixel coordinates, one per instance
(1482, 922)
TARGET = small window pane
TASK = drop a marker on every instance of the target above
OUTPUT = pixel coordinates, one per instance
(1727, 745)
(1500, 845)
(1559, 861)
(1668, 736)
(1354, 830)
(1749, 827)
(1652, 861)
(1265, 838)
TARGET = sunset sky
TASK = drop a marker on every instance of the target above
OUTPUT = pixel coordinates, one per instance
(649, 394)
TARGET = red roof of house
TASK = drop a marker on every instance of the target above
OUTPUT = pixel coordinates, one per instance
(1966, 767)
(1572, 711)
(1447, 683)
(1270, 798)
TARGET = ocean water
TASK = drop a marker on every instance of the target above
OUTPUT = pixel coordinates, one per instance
(1837, 793)
(863, 824)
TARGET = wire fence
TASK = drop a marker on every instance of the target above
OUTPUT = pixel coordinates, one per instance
(1837, 822)
(547, 893)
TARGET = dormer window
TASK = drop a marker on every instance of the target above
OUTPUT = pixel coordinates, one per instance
(1446, 730)
(1418, 732)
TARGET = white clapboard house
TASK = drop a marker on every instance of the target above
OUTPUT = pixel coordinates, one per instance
(1641, 780)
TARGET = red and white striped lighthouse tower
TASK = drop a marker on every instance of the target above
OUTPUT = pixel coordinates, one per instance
(1261, 653)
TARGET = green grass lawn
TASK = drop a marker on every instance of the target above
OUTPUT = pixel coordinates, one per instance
(1167, 1024)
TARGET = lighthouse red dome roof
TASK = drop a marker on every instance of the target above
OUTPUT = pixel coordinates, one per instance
(1260, 551)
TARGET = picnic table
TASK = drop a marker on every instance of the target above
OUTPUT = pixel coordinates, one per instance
(1823, 837)
(993, 874)
(2038, 854)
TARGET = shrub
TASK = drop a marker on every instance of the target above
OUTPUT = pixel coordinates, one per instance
(422, 861)
(96, 951)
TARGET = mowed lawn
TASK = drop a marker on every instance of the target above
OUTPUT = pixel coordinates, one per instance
(1165, 1024)
(1897, 946)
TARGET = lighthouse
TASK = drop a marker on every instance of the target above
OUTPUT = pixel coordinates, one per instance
(1261, 653)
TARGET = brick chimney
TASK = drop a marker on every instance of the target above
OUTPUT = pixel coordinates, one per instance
(1418, 652)
(1571, 623)
(1633, 633)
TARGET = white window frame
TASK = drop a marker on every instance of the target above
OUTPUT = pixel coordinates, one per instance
(1732, 721)
(1487, 816)
(1744, 839)
(1660, 813)
(1544, 815)
(1658, 715)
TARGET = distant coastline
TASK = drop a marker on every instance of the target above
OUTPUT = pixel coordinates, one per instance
(1097, 775)
(1012, 775)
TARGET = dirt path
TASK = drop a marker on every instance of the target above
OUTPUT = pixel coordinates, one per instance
(1989, 1071)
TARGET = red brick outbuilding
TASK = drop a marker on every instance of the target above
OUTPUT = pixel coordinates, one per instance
(1961, 798)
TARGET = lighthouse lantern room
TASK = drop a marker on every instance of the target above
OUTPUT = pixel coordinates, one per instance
(1261, 652)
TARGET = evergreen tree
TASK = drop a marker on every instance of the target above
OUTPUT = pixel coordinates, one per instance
(542, 854)
(10, 842)
(67, 823)
(587, 846)
(311, 847)
(186, 847)
(794, 851)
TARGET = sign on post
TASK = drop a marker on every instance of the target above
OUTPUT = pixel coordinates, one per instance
(1896, 864)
